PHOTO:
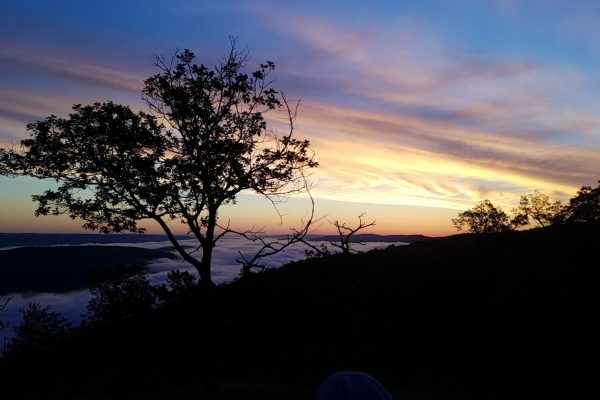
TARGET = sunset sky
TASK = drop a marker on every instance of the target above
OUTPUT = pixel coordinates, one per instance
(416, 109)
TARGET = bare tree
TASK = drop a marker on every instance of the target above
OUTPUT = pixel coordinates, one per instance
(345, 236)
(270, 246)
(346, 233)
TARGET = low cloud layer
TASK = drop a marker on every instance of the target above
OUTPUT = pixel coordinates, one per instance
(72, 305)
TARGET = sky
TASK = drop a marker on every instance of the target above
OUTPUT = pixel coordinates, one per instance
(416, 110)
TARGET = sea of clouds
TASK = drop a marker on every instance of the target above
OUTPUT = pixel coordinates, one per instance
(72, 305)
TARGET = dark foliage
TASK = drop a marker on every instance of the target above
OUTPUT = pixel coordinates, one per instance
(181, 285)
(122, 295)
(584, 206)
(540, 209)
(40, 329)
(486, 218)
(506, 315)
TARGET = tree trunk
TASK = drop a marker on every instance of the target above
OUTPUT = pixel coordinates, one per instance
(204, 271)
(207, 248)
(207, 357)
(204, 266)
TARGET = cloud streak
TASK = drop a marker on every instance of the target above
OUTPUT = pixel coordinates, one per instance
(64, 67)
(414, 117)
(399, 109)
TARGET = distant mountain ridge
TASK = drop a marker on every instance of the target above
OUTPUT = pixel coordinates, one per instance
(371, 237)
(65, 268)
(51, 239)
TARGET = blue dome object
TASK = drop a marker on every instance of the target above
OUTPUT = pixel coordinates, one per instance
(351, 385)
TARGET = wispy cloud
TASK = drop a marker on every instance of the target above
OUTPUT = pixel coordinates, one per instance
(397, 113)
(80, 83)
(65, 67)
(399, 116)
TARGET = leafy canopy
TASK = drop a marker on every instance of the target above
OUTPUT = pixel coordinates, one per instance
(40, 328)
(205, 140)
(486, 218)
(539, 207)
(585, 205)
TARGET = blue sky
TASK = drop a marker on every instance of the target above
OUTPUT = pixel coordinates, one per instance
(427, 104)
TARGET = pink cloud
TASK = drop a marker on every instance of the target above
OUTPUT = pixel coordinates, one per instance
(65, 67)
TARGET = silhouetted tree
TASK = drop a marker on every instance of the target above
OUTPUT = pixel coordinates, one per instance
(179, 286)
(40, 328)
(584, 206)
(122, 296)
(116, 167)
(180, 281)
(319, 251)
(486, 218)
(538, 207)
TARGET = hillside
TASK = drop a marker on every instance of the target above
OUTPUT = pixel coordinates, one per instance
(511, 315)
(64, 268)
(53, 239)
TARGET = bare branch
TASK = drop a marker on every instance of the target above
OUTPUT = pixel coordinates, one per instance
(4, 303)
(345, 234)
(270, 247)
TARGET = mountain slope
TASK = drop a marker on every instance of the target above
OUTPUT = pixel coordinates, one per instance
(511, 315)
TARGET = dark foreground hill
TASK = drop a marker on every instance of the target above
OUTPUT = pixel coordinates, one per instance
(500, 317)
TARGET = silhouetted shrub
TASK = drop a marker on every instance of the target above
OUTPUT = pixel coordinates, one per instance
(121, 296)
(40, 328)
(180, 286)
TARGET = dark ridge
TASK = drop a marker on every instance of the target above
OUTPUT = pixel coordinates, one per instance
(50, 239)
(66, 268)
(371, 237)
